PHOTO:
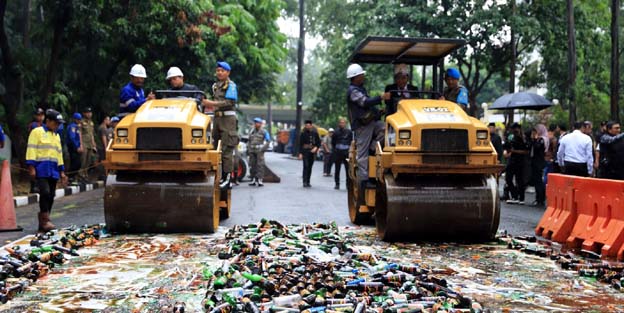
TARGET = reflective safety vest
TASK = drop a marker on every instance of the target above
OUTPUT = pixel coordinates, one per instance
(45, 153)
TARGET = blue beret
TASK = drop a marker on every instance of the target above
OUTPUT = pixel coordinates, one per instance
(77, 116)
(224, 65)
(257, 120)
(452, 73)
(115, 119)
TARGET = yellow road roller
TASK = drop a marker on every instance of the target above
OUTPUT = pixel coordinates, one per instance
(435, 175)
(163, 169)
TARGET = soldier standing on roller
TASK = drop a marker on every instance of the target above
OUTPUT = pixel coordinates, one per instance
(367, 127)
(258, 143)
(225, 96)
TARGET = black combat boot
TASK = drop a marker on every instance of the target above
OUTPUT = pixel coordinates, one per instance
(225, 181)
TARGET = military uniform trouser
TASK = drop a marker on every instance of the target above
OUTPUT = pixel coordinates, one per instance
(366, 138)
(47, 191)
(308, 161)
(87, 160)
(225, 130)
(328, 161)
(256, 164)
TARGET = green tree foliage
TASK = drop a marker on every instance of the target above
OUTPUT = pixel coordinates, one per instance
(485, 25)
(99, 40)
(592, 19)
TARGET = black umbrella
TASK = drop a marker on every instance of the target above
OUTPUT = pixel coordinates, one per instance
(520, 100)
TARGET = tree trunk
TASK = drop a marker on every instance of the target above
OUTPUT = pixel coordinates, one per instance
(615, 61)
(26, 23)
(13, 80)
(512, 69)
(571, 62)
(63, 15)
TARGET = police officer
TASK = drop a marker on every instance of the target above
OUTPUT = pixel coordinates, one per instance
(258, 143)
(37, 121)
(225, 96)
(132, 96)
(341, 140)
(364, 121)
(73, 145)
(309, 143)
(45, 164)
(455, 92)
(87, 136)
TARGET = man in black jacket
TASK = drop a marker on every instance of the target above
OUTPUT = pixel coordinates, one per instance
(519, 151)
(341, 140)
(401, 89)
(309, 143)
(612, 147)
(175, 78)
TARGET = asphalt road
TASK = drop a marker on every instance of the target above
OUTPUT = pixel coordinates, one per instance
(287, 202)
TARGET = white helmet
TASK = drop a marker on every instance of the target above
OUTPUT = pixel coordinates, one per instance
(173, 72)
(355, 70)
(138, 71)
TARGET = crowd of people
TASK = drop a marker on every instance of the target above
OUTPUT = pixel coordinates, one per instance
(531, 154)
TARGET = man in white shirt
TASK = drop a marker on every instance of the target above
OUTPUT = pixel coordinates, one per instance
(575, 153)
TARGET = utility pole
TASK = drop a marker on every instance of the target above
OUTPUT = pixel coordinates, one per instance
(300, 51)
(571, 62)
(615, 60)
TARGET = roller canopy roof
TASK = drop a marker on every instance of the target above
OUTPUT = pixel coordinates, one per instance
(416, 51)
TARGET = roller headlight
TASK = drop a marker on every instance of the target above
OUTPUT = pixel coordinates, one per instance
(405, 134)
(197, 133)
(482, 134)
(122, 132)
(391, 136)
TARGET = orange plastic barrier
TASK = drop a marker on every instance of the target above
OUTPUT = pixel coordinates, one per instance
(7, 206)
(558, 219)
(599, 226)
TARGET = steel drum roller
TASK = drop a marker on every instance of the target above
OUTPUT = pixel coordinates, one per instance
(164, 202)
(437, 207)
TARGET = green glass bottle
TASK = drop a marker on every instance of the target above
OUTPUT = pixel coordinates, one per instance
(220, 282)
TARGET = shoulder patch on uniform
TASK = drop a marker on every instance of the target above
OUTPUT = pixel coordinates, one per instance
(231, 93)
(462, 96)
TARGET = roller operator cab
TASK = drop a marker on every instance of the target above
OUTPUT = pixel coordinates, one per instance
(163, 170)
(435, 176)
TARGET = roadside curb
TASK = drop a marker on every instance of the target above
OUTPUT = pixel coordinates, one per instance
(69, 190)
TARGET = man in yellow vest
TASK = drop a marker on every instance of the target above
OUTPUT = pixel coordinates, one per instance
(44, 158)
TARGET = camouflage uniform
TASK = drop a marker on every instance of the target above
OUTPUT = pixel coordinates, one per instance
(87, 131)
(256, 147)
(225, 121)
(458, 95)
